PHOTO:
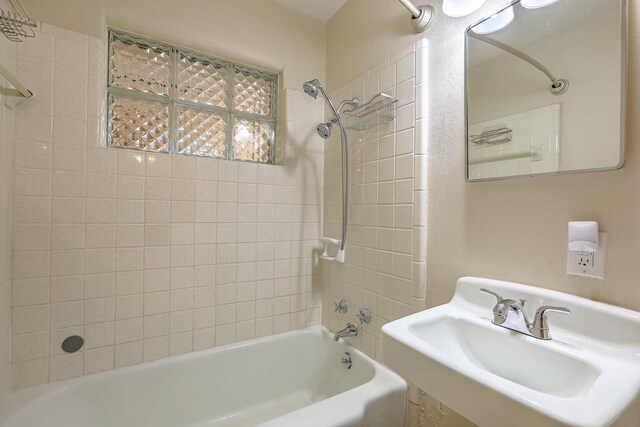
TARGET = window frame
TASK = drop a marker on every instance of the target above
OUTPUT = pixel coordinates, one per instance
(174, 103)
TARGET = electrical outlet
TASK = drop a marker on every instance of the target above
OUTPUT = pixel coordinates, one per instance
(585, 261)
(589, 264)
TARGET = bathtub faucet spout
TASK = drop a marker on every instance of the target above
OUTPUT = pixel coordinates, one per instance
(350, 331)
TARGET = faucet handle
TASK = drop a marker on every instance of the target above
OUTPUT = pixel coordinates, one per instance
(341, 307)
(541, 313)
(364, 315)
(495, 294)
(540, 322)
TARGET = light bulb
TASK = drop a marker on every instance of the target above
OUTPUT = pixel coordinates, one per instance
(534, 4)
(458, 8)
(495, 23)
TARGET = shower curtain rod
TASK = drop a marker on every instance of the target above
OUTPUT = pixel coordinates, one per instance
(415, 12)
(421, 16)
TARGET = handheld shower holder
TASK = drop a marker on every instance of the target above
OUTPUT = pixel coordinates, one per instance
(332, 250)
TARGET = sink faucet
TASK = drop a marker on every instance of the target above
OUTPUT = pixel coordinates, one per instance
(350, 331)
(510, 314)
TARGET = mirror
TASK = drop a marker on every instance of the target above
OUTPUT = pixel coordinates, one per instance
(545, 89)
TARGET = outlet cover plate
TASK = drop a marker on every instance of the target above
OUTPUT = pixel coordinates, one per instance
(598, 259)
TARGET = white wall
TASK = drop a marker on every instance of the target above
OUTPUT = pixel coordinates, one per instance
(148, 255)
(7, 59)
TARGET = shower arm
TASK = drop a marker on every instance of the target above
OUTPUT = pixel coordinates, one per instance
(517, 53)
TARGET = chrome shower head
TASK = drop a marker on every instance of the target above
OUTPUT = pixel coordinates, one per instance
(324, 130)
(311, 87)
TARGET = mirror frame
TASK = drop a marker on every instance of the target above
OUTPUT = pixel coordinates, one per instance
(624, 25)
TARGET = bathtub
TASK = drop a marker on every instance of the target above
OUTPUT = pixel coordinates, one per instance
(291, 379)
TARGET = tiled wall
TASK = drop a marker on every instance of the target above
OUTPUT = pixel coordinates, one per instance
(7, 54)
(385, 263)
(534, 146)
(148, 255)
(384, 269)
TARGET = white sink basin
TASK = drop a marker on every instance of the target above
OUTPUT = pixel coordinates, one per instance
(587, 375)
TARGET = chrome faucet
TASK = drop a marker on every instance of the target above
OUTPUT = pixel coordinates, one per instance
(350, 331)
(510, 314)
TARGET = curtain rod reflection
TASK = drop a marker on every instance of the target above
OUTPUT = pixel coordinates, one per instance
(558, 86)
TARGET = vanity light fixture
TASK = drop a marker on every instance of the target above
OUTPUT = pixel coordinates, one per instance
(535, 4)
(458, 8)
(495, 22)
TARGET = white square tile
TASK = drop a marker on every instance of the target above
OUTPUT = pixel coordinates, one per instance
(157, 280)
(180, 321)
(99, 285)
(405, 68)
(99, 310)
(156, 257)
(128, 354)
(128, 330)
(68, 158)
(156, 325)
(183, 167)
(158, 165)
(66, 288)
(67, 262)
(206, 169)
(30, 291)
(29, 346)
(156, 303)
(66, 366)
(130, 187)
(67, 236)
(29, 373)
(180, 343)
(156, 348)
(130, 163)
(101, 186)
(183, 211)
(129, 306)
(66, 314)
(99, 335)
(129, 235)
(98, 360)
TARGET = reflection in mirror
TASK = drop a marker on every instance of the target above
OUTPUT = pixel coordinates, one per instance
(545, 88)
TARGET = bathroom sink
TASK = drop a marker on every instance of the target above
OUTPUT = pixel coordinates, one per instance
(587, 375)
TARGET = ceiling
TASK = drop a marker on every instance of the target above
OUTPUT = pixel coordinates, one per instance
(322, 10)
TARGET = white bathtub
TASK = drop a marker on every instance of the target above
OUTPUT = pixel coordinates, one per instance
(292, 379)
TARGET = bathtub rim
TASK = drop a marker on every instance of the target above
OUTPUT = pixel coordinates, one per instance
(383, 379)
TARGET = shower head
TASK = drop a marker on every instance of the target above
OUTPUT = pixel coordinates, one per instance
(311, 87)
(324, 130)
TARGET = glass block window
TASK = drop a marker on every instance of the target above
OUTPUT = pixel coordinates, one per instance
(167, 99)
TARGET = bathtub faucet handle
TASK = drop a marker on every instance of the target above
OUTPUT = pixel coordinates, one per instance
(364, 315)
(341, 307)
